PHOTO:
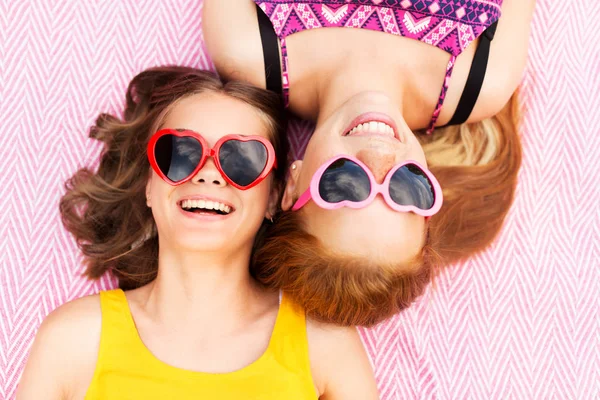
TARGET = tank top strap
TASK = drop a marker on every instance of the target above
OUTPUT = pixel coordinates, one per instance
(289, 341)
(285, 72)
(119, 334)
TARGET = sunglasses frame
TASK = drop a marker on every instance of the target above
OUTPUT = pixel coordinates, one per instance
(312, 193)
(213, 152)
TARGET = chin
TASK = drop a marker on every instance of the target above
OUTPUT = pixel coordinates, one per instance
(202, 243)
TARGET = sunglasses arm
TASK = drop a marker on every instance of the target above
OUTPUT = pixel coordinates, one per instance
(302, 200)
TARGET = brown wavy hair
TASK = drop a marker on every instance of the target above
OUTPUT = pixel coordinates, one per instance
(106, 210)
(476, 165)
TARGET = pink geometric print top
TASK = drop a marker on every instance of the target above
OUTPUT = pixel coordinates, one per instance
(450, 25)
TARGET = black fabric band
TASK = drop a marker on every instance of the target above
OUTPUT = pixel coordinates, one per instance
(270, 45)
(476, 76)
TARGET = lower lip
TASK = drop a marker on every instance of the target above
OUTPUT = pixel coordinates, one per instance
(373, 117)
(204, 216)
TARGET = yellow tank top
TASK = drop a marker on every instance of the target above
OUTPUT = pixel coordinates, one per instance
(126, 369)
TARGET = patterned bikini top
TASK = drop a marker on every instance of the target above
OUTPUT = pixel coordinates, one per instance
(450, 25)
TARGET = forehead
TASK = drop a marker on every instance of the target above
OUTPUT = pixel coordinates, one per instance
(214, 115)
(374, 232)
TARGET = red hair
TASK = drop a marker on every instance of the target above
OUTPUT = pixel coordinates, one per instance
(476, 165)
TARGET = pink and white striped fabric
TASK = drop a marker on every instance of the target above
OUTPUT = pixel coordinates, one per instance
(522, 321)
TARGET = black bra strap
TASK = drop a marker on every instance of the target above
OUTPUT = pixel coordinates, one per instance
(475, 80)
(270, 45)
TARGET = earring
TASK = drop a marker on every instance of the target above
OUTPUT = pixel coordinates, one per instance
(294, 166)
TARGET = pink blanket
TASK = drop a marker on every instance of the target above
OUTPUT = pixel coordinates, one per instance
(522, 321)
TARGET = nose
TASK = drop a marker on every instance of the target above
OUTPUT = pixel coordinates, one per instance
(378, 160)
(210, 174)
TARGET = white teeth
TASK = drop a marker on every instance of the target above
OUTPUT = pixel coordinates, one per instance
(205, 205)
(373, 127)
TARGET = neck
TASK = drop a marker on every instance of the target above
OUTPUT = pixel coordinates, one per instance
(201, 286)
(338, 88)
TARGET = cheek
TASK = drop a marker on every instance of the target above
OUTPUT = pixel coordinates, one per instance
(257, 198)
(416, 149)
(324, 143)
(157, 188)
(160, 194)
(319, 150)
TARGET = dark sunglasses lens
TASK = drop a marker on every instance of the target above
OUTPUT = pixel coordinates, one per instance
(243, 162)
(344, 180)
(410, 186)
(177, 157)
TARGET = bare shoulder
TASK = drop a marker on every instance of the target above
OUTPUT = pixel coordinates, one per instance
(77, 322)
(329, 334)
(508, 56)
(233, 41)
(339, 362)
(64, 352)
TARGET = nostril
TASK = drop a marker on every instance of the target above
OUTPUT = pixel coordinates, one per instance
(216, 182)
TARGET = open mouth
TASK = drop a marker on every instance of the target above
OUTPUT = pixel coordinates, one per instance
(205, 207)
(374, 127)
(373, 123)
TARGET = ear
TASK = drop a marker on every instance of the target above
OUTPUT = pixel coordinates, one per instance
(290, 195)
